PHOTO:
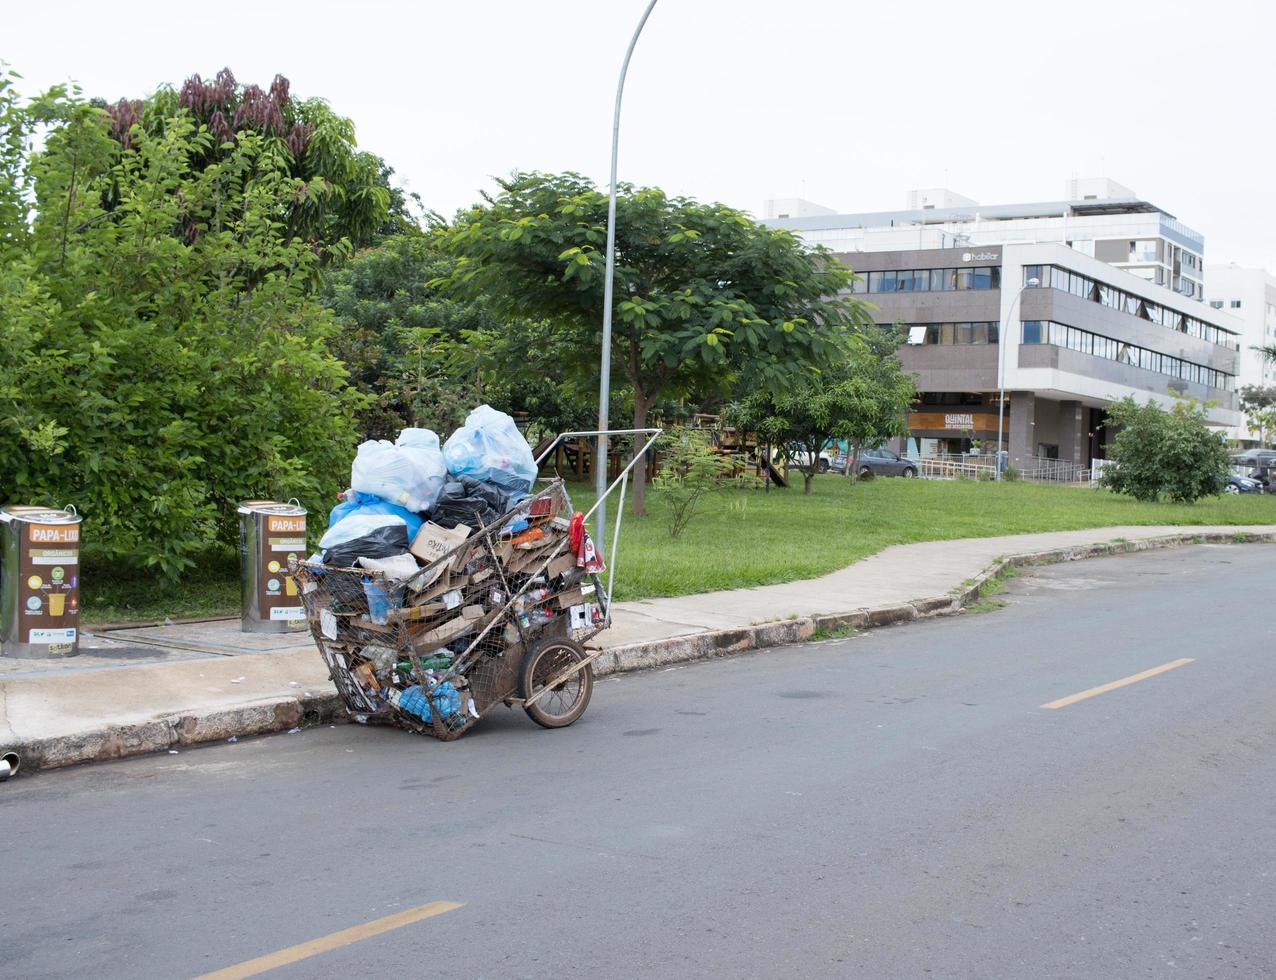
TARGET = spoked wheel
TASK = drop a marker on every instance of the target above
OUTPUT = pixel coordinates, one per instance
(566, 701)
(1231, 488)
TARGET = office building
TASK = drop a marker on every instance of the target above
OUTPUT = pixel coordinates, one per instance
(1249, 295)
(1064, 306)
(1097, 217)
(1084, 336)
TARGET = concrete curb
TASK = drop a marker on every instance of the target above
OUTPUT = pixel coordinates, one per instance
(261, 717)
(270, 715)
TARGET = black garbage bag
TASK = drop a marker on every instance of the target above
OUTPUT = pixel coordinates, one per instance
(465, 500)
(382, 542)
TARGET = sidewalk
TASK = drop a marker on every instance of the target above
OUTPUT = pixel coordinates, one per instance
(146, 689)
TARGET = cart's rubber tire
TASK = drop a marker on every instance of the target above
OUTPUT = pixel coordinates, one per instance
(562, 705)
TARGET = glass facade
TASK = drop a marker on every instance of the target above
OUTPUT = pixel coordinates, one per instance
(1072, 338)
(951, 334)
(1065, 280)
(928, 280)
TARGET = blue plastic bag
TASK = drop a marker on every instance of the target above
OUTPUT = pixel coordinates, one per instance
(354, 502)
(446, 698)
(489, 447)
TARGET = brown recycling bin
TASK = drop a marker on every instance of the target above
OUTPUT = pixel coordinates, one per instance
(39, 581)
(270, 533)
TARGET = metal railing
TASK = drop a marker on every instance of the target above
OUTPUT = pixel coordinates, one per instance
(983, 466)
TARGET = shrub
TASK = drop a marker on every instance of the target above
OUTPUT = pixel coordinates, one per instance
(690, 471)
(1158, 453)
(163, 353)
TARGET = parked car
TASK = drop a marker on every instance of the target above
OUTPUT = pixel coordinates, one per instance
(1242, 484)
(884, 462)
(800, 458)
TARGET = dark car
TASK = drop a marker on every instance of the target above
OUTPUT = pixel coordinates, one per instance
(884, 462)
(1242, 484)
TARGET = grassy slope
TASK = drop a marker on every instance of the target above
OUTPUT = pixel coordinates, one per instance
(745, 538)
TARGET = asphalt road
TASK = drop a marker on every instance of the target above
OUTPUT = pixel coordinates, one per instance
(897, 804)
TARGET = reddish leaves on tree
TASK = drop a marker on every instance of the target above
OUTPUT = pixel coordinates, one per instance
(123, 115)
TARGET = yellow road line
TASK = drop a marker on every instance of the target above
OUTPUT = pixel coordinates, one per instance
(1113, 685)
(336, 940)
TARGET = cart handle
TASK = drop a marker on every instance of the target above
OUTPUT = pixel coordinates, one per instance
(596, 432)
(653, 435)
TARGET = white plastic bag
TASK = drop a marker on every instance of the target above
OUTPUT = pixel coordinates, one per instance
(490, 447)
(422, 446)
(409, 474)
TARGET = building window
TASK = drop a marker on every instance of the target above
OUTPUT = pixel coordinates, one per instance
(930, 280)
(942, 280)
(1118, 299)
(952, 334)
(1085, 342)
(1216, 304)
(1236, 304)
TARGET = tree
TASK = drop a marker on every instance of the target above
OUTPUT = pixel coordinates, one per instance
(342, 196)
(864, 399)
(1158, 453)
(704, 296)
(1259, 405)
(426, 358)
(164, 356)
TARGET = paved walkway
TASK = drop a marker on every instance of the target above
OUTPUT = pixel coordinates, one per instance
(193, 672)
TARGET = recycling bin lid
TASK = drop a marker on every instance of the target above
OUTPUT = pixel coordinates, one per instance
(38, 515)
(290, 509)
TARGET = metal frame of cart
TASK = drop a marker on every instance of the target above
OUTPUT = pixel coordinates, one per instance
(495, 619)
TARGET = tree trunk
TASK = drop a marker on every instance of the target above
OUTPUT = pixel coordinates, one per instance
(639, 497)
(808, 477)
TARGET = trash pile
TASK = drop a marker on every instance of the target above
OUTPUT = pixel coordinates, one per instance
(441, 570)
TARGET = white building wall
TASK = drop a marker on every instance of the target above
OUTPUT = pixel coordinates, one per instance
(1255, 291)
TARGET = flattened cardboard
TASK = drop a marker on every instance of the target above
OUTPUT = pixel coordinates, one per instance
(441, 635)
(571, 597)
(561, 565)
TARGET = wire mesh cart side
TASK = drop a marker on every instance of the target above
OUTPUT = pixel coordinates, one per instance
(500, 617)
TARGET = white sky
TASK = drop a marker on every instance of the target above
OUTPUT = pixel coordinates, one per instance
(849, 104)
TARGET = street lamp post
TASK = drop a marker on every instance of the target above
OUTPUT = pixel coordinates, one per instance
(604, 372)
(1001, 369)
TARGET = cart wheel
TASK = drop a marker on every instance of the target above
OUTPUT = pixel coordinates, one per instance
(564, 703)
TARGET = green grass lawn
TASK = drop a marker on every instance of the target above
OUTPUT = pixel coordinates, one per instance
(744, 538)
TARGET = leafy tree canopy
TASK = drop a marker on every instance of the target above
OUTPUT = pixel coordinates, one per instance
(164, 356)
(704, 295)
(427, 357)
(341, 194)
(864, 398)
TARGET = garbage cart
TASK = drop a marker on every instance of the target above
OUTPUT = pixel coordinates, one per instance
(498, 614)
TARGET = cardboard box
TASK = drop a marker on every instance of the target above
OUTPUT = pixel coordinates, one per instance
(433, 542)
